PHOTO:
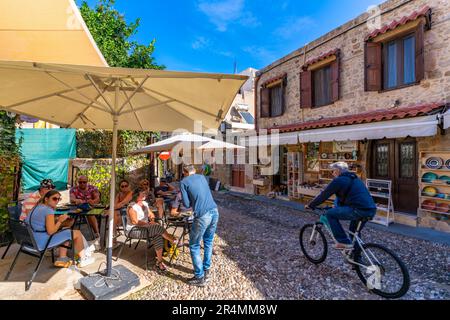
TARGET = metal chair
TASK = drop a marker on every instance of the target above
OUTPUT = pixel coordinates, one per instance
(14, 213)
(136, 233)
(25, 238)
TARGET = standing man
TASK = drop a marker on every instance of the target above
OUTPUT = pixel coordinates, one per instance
(196, 194)
(85, 194)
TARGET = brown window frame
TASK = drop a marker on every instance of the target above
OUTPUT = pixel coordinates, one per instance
(313, 87)
(399, 42)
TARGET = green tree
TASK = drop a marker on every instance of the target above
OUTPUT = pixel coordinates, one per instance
(112, 34)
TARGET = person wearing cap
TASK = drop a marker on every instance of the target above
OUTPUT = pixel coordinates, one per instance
(29, 203)
(164, 189)
(353, 201)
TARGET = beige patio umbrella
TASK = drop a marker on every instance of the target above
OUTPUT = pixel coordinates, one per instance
(116, 98)
(50, 31)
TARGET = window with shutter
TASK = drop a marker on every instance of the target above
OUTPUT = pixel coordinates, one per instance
(265, 103)
(306, 89)
(396, 59)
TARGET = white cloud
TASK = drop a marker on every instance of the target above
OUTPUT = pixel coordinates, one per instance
(200, 43)
(224, 12)
(294, 26)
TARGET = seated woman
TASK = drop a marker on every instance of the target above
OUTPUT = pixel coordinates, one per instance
(44, 224)
(138, 215)
(123, 198)
(144, 185)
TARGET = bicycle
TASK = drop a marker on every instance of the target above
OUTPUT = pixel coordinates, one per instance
(378, 267)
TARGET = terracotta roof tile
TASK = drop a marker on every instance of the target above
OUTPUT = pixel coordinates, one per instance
(367, 117)
(394, 24)
(321, 57)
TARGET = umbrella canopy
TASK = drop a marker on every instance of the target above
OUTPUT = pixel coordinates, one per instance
(186, 139)
(147, 100)
(46, 31)
(116, 98)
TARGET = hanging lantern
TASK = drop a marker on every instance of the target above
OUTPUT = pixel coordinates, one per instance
(164, 156)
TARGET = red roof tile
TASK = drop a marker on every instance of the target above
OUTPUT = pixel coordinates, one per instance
(274, 79)
(394, 24)
(321, 57)
(367, 117)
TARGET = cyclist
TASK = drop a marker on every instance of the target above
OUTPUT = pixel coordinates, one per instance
(353, 201)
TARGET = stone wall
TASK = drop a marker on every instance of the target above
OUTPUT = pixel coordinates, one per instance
(353, 99)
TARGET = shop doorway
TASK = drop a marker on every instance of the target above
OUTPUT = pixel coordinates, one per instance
(396, 160)
(238, 172)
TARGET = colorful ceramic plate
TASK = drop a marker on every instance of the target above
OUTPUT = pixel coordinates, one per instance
(447, 163)
(434, 163)
(324, 155)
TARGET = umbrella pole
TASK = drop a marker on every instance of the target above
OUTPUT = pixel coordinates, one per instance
(112, 193)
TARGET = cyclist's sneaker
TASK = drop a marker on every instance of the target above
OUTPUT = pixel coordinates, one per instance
(343, 246)
(324, 220)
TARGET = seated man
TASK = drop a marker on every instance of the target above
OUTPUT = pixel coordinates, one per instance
(353, 202)
(164, 189)
(86, 194)
(33, 199)
(177, 206)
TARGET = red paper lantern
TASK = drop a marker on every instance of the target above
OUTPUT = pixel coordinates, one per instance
(164, 156)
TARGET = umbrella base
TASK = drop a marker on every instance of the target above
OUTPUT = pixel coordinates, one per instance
(98, 287)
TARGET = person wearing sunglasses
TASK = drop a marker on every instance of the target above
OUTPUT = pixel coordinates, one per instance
(44, 224)
(123, 198)
(144, 185)
(29, 203)
(85, 195)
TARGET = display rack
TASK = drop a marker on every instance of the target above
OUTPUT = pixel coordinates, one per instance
(434, 192)
(381, 191)
(294, 173)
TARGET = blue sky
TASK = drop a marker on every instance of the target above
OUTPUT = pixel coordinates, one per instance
(208, 36)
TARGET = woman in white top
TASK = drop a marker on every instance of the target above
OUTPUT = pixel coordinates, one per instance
(138, 216)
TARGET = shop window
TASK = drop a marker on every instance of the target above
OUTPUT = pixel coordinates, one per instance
(312, 157)
(407, 158)
(382, 160)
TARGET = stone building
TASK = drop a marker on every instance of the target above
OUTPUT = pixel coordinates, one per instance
(373, 92)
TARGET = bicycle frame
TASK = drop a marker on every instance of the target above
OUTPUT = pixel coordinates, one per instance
(356, 240)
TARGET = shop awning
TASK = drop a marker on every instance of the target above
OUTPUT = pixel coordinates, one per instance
(288, 138)
(413, 127)
(447, 119)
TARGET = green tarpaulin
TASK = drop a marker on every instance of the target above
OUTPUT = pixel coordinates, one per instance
(45, 155)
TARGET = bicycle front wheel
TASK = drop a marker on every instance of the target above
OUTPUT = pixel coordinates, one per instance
(382, 271)
(313, 243)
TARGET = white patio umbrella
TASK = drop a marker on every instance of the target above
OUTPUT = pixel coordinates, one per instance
(116, 98)
(186, 139)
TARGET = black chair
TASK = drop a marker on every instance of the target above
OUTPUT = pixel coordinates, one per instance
(14, 213)
(136, 233)
(25, 238)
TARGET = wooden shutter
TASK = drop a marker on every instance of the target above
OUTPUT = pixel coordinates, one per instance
(283, 96)
(335, 80)
(265, 102)
(420, 59)
(373, 67)
(306, 89)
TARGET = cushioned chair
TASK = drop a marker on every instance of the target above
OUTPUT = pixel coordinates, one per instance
(25, 238)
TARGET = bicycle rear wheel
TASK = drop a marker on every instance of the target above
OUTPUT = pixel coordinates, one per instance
(313, 243)
(387, 276)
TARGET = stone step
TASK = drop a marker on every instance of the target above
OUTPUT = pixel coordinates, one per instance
(406, 219)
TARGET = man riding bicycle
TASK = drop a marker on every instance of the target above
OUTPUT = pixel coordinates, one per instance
(353, 201)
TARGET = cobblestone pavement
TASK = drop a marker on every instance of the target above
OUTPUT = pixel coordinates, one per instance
(257, 256)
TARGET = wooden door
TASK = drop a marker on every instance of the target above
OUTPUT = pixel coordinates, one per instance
(396, 160)
(238, 173)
